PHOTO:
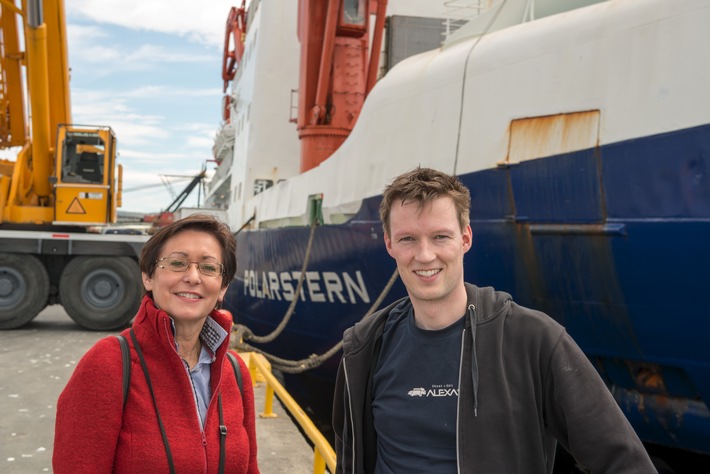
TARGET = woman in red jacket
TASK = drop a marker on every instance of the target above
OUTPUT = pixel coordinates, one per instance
(183, 411)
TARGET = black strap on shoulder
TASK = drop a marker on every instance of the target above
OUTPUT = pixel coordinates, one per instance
(237, 371)
(222, 426)
(155, 403)
(126, 356)
(222, 436)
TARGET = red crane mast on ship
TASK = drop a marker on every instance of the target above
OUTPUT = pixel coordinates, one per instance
(338, 68)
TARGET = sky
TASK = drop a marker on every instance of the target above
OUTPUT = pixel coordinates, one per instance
(151, 70)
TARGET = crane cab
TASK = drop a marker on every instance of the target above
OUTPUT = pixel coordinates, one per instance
(84, 173)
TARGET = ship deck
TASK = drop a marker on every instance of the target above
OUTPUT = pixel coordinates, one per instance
(37, 361)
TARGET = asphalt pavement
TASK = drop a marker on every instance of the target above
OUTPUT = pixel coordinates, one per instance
(36, 362)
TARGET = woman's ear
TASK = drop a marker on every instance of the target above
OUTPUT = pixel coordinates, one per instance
(147, 282)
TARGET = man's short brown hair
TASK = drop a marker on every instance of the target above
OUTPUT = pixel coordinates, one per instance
(199, 222)
(422, 186)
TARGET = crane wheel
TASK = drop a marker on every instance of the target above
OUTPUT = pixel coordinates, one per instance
(101, 293)
(24, 289)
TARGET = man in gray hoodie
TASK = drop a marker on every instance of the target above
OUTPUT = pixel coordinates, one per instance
(460, 379)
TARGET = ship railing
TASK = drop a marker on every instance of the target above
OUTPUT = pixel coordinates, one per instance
(459, 12)
(260, 370)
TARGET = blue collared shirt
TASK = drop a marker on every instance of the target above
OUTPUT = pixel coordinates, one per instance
(212, 336)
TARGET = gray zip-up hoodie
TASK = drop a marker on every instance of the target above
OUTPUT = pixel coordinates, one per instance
(524, 386)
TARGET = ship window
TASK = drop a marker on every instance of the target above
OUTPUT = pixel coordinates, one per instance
(262, 185)
(354, 13)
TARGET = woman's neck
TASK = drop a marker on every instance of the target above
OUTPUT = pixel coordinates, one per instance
(188, 342)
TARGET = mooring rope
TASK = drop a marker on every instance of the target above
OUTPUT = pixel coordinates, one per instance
(244, 333)
(314, 360)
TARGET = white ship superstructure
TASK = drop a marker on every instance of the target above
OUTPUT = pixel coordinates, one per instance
(258, 145)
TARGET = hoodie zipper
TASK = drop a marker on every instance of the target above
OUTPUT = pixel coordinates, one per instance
(472, 309)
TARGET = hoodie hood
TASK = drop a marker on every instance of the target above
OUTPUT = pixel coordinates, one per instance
(487, 305)
(484, 305)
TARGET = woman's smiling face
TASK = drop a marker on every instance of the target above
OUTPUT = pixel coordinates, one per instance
(190, 295)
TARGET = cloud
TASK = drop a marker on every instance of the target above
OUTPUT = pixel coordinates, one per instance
(101, 108)
(151, 52)
(148, 156)
(84, 34)
(199, 21)
(204, 142)
(168, 91)
(99, 49)
(140, 128)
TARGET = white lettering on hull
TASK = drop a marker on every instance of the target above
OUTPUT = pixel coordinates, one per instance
(318, 287)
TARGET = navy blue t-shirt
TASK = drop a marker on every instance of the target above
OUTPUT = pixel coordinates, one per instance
(415, 396)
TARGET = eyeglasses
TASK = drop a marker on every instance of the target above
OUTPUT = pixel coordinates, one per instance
(181, 265)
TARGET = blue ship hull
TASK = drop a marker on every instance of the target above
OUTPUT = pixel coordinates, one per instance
(612, 242)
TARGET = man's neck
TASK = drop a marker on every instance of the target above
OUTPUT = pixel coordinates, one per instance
(437, 314)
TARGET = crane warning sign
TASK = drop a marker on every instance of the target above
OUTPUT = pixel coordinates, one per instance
(75, 207)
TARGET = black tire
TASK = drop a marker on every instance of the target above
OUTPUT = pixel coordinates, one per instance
(101, 293)
(24, 289)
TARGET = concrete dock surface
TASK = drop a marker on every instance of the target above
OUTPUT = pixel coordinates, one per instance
(37, 360)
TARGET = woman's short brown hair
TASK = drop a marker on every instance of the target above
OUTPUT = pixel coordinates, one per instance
(199, 222)
(422, 186)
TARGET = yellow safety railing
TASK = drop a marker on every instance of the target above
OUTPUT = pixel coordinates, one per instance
(323, 453)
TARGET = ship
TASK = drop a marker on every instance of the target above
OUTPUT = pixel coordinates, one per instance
(582, 129)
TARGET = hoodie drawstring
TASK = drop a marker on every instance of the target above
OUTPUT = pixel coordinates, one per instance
(474, 360)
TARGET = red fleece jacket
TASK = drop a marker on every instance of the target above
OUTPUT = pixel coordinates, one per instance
(95, 433)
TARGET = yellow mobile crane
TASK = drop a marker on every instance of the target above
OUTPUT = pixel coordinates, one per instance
(63, 180)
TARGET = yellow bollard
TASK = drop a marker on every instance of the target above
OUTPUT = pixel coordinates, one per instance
(268, 403)
(253, 371)
(318, 462)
